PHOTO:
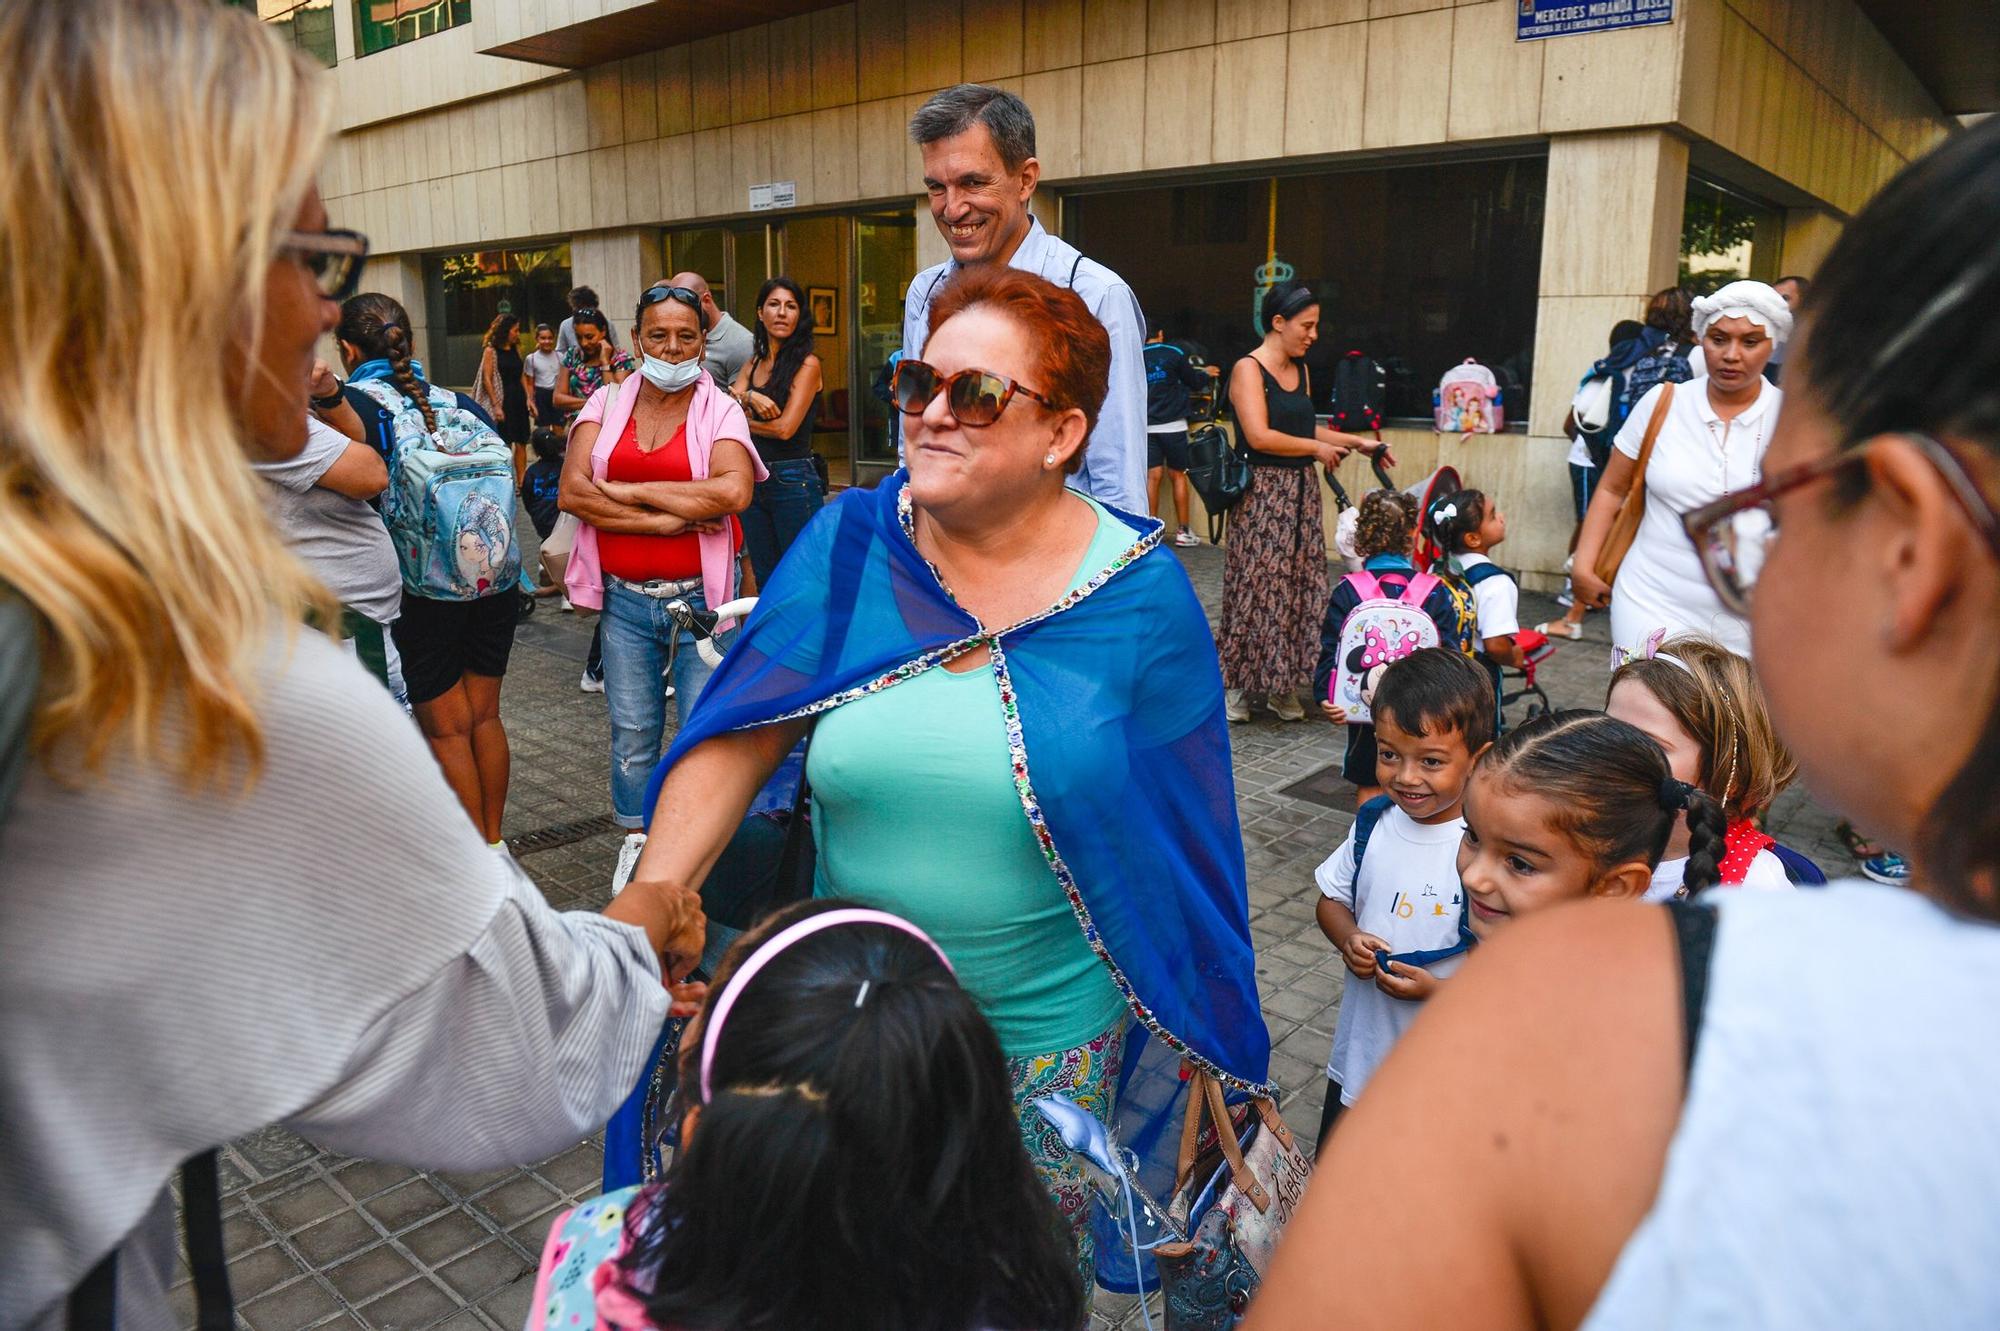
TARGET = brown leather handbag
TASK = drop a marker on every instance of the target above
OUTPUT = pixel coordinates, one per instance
(1625, 524)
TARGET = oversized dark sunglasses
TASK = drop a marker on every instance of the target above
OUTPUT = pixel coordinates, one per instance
(976, 397)
(334, 258)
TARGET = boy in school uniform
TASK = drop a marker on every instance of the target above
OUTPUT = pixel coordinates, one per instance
(1390, 898)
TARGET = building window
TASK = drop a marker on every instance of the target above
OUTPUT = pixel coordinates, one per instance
(381, 24)
(1726, 236)
(1419, 267)
(306, 24)
(463, 293)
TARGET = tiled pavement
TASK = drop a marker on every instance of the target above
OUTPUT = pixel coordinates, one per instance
(321, 1241)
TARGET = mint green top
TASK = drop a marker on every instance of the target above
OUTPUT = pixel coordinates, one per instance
(915, 812)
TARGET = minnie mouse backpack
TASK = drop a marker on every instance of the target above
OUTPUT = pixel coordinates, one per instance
(1380, 631)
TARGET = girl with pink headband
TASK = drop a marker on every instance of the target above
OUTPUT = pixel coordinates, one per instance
(848, 1158)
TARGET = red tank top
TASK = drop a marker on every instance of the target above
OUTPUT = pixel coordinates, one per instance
(638, 558)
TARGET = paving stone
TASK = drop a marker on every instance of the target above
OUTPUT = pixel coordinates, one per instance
(417, 1304)
(299, 1304)
(399, 1208)
(314, 1200)
(484, 1269)
(513, 1202)
(509, 1304)
(335, 1238)
(438, 1241)
(374, 1272)
(362, 1179)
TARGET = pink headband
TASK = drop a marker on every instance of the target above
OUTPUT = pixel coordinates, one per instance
(771, 947)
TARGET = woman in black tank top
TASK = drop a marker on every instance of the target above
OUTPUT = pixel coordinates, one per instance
(1274, 587)
(779, 390)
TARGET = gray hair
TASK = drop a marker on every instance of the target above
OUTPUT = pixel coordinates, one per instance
(955, 110)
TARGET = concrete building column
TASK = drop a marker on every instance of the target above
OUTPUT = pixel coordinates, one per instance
(618, 265)
(1809, 237)
(1610, 238)
(400, 276)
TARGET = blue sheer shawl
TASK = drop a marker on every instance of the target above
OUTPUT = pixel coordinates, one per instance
(1112, 700)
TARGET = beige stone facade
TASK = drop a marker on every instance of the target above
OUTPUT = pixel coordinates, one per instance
(1800, 102)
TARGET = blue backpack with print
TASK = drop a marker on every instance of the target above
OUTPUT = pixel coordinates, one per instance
(450, 502)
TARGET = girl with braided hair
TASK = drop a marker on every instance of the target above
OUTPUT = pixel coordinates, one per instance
(1573, 805)
(1700, 702)
(454, 651)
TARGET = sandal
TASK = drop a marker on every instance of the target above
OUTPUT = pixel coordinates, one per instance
(1561, 628)
(1858, 845)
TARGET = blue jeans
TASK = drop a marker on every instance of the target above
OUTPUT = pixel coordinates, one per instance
(779, 510)
(637, 632)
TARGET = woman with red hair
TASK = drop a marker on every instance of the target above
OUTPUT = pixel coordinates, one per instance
(1016, 724)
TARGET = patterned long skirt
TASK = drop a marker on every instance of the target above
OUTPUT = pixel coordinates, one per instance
(1087, 1074)
(1273, 583)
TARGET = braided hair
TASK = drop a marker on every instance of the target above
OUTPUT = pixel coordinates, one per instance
(380, 327)
(1615, 796)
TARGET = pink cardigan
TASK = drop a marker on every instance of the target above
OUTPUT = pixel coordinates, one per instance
(712, 416)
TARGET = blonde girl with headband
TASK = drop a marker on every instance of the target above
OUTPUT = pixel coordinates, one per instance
(1708, 440)
(1701, 703)
(848, 1160)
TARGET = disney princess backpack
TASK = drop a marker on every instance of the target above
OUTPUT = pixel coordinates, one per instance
(1380, 631)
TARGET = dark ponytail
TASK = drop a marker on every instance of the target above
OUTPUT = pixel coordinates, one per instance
(1455, 517)
(380, 327)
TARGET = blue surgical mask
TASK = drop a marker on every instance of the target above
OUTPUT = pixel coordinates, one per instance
(671, 376)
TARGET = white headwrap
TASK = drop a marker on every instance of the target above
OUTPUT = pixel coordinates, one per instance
(1755, 301)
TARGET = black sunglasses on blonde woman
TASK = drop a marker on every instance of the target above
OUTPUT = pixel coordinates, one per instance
(335, 258)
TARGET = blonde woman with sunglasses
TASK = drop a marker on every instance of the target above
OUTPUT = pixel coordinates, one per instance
(236, 890)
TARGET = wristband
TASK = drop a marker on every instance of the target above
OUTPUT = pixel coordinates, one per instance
(331, 400)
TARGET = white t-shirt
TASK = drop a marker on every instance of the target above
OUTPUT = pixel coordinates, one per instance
(1408, 895)
(342, 540)
(1579, 452)
(1496, 599)
(545, 366)
(1697, 459)
(1766, 874)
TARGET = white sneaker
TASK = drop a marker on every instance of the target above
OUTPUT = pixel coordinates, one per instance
(591, 683)
(1184, 537)
(1233, 706)
(568, 609)
(628, 860)
(1287, 707)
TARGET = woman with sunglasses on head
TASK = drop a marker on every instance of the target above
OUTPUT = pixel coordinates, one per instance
(657, 469)
(1274, 562)
(1016, 720)
(234, 890)
(1708, 438)
(1772, 1110)
(779, 390)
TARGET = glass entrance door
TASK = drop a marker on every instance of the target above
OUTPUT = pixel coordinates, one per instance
(885, 262)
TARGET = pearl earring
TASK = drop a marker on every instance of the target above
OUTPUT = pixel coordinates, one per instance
(1048, 459)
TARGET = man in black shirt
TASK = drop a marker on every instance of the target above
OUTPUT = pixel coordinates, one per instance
(1168, 379)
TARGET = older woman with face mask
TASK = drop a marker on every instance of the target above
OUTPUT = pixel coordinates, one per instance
(1709, 437)
(657, 469)
(1015, 711)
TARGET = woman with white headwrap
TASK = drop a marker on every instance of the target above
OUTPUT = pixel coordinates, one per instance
(1711, 442)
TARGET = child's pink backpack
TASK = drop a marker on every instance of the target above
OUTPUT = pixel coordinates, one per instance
(1467, 400)
(1378, 632)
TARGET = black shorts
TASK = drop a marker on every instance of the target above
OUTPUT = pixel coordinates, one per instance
(1358, 765)
(442, 641)
(547, 416)
(1169, 450)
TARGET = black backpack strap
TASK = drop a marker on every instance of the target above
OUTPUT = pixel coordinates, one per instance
(1072, 270)
(1694, 941)
(93, 1304)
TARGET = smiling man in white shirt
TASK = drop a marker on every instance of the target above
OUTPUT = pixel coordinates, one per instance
(980, 170)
